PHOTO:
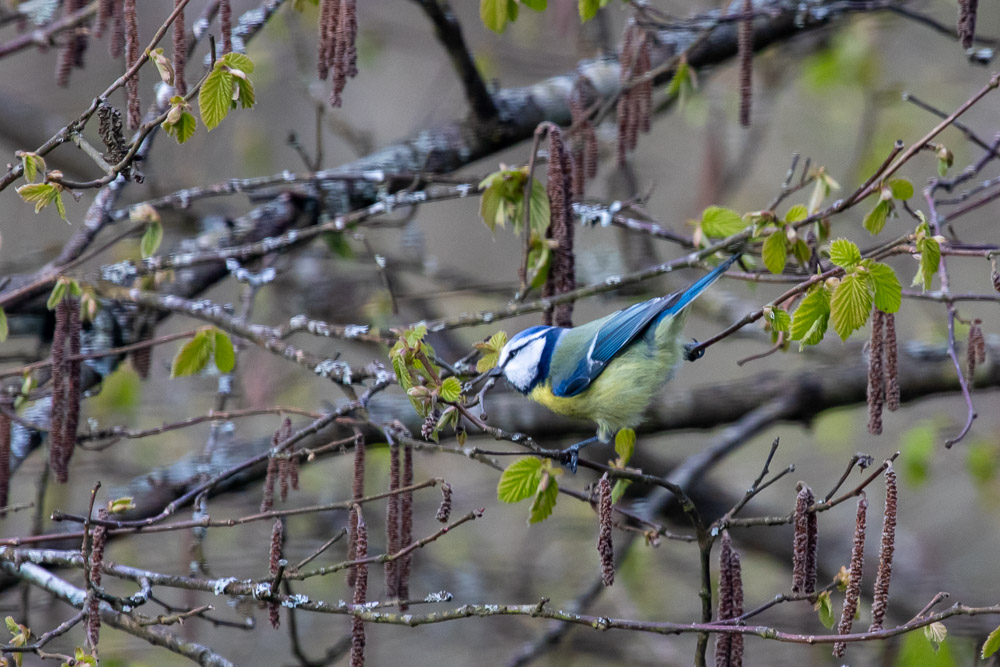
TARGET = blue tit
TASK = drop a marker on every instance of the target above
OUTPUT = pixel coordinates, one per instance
(608, 370)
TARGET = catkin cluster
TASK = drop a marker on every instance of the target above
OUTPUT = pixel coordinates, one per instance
(635, 106)
(281, 469)
(337, 55)
(729, 646)
(562, 274)
(74, 46)
(584, 155)
(66, 389)
(883, 369)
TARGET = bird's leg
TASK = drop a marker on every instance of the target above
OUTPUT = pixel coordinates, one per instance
(689, 351)
(571, 455)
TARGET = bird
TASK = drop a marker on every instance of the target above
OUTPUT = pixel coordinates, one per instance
(607, 370)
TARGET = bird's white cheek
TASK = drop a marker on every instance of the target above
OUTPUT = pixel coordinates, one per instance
(522, 369)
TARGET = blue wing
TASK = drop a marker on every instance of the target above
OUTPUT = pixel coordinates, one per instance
(622, 328)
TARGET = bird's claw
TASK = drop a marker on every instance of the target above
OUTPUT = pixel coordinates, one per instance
(691, 351)
(570, 458)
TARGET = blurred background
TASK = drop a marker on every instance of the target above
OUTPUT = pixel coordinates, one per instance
(832, 95)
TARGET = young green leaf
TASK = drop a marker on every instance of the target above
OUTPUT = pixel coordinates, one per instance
(536, 5)
(625, 444)
(519, 480)
(215, 96)
(824, 608)
(491, 351)
(4, 327)
(935, 633)
(494, 14)
(618, 490)
(545, 497)
(778, 318)
(850, 305)
(992, 644)
(32, 165)
(539, 212)
(844, 253)
(885, 284)
(180, 123)
(775, 251)
(240, 61)
(721, 222)
(151, 239)
(451, 389)
(489, 205)
(874, 222)
(811, 317)
(802, 252)
(796, 213)
(39, 194)
(225, 356)
(588, 9)
(193, 356)
(901, 188)
(119, 505)
(930, 260)
(58, 294)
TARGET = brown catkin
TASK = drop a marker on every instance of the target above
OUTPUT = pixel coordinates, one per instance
(67, 54)
(329, 14)
(392, 523)
(357, 492)
(406, 526)
(853, 577)
(975, 352)
(180, 52)
(891, 364)
(116, 44)
(967, 10)
(605, 546)
(559, 188)
(880, 597)
(100, 538)
(131, 57)
(5, 438)
(226, 26)
(345, 55)
(283, 477)
(267, 501)
(74, 391)
(643, 92)
(800, 541)
(105, 10)
(58, 410)
(293, 471)
(736, 648)
(360, 593)
(626, 54)
(876, 373)
(274, 565)
(745, 56)
(444, 509)
(724, 640)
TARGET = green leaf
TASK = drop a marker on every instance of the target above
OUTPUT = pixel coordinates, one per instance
(918, 445)
(916, 651)
(415, 335)
(489, 205)
(875, 220)
(539, 208)
(588, 9)
(244, 93)
(778, 318)
(57, 295)
(491, 351)
(537, 5)
(12, 626)
(39, 194)
(215, 96)
(888, 291)
(775, 251)
(810, 319)
(683, 81)
(545, 498)
(225, 356)
(451, 389)
(119, 505)
(797, 213)
(850, 305)
(992, 644)
(183, 129)
(193, 357)
(4, 327)
(625, 444)
(618, 490)
(151, 239)
(32, 165)
(721, 222)
(901, 188)
(844, 253)
(494, 14)
(802, 252)
(824, 608)
(930, 260)
(519, 480)
(539, 263)
(981, 461)
(240, 61)
(935, 633)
